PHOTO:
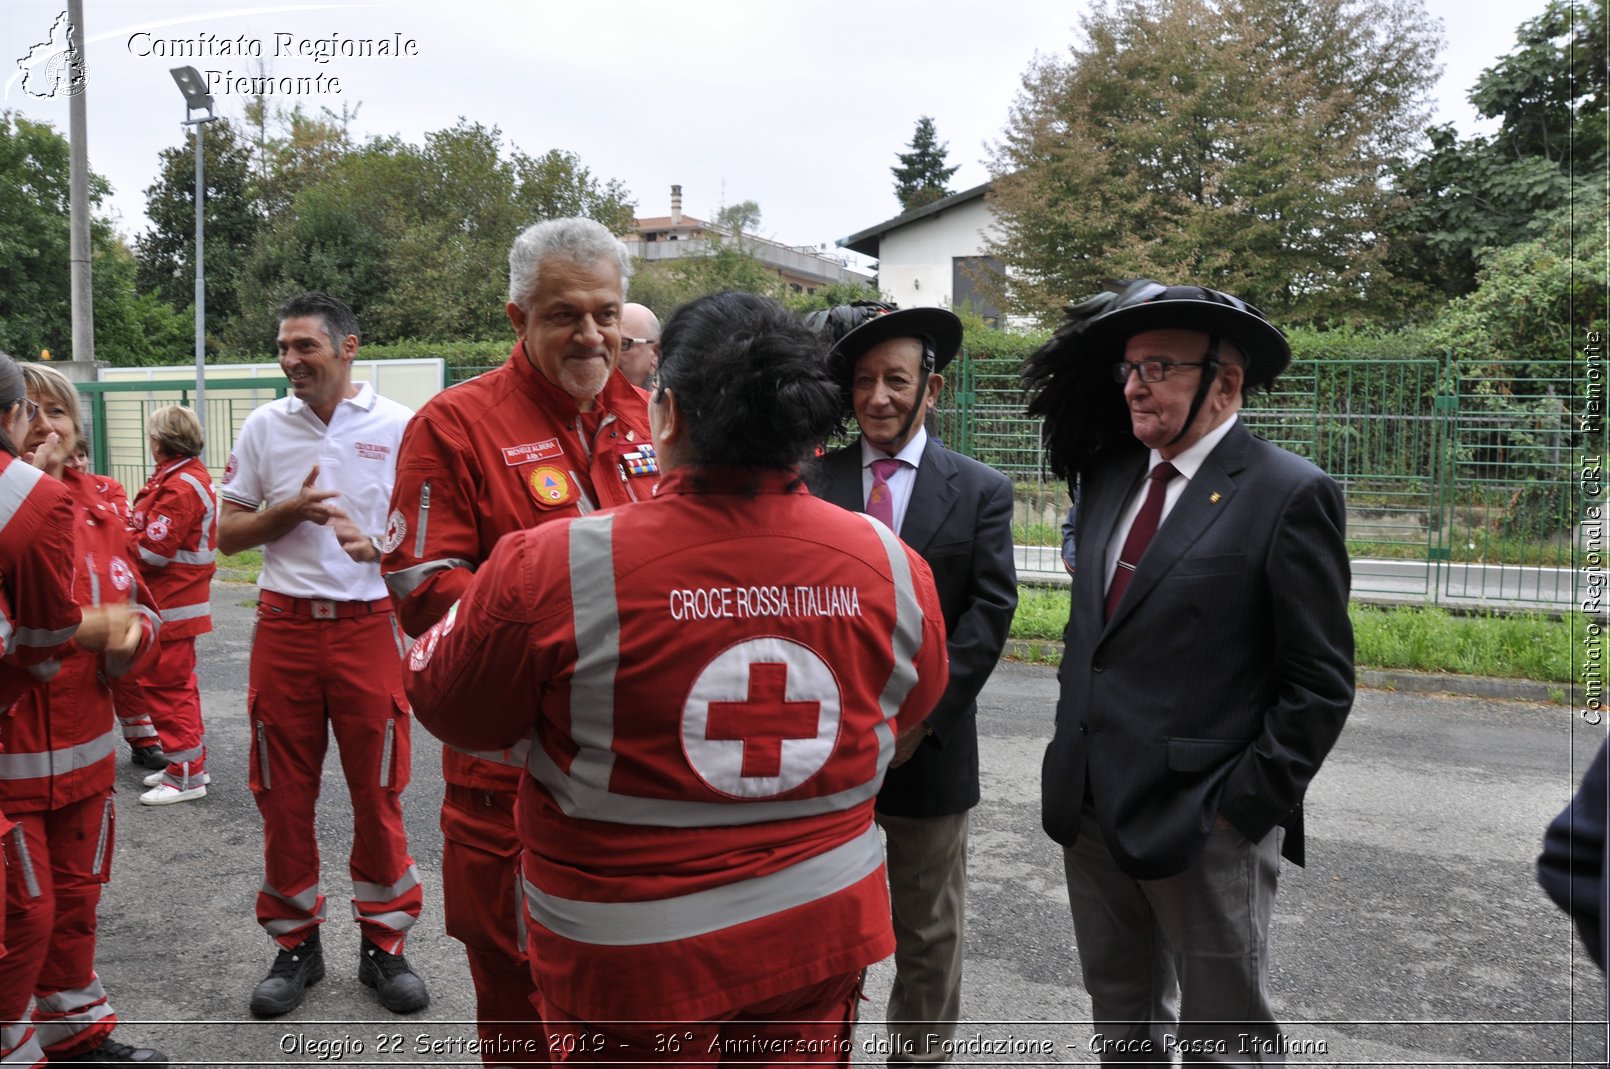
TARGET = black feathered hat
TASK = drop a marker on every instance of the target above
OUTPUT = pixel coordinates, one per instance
(1069, 379)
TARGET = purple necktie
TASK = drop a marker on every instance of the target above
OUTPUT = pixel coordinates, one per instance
(880, 502)
(1140, 534)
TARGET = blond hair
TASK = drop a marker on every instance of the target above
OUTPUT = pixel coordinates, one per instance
(176, 429)
(51, 384)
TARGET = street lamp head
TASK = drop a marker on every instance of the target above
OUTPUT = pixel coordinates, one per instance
(194, 88)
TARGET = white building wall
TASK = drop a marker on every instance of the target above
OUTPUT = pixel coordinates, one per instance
(914, 261)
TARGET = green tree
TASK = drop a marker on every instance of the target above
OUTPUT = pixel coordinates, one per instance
(1243, 144)
(1459, 197)
(920, 179)
(167, 252)
(416, 237)
(35, 287)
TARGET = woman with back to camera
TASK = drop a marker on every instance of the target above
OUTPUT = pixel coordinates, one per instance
(174, 521)
(60, 745)
(722, 673)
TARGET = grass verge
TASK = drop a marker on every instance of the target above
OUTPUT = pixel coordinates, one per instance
(1422, 639)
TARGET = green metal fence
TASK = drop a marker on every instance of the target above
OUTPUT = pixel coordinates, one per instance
(115, 415)
(1458, 479)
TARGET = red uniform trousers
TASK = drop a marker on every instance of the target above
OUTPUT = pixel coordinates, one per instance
(811, 1026)
(57, 860)
(167, 696)
(310, 676)
(485, 910)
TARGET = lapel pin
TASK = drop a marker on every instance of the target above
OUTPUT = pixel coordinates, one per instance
(1213, 498)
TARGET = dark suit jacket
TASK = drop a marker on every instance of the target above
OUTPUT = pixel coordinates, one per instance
(960, 522)
(1224, 676)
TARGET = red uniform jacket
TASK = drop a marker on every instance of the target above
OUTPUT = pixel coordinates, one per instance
(502, 452)
(60, 741)
(716, 679)
(175, 529)
(36, 541)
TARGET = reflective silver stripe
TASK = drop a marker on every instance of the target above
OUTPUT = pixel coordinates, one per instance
(186, 612)
(15, 766)
(598, 646)
(105, 836)
(424, 515)
(403, 583)
(30, 878)
(73, 1011)
(385, 752)
(6, 633)
(38, 636)
(16, 483)
(196, 556)
(155, 560)
(397, 637)
(19, 1045)
(304, 901)
(262, 755)
(906, 640)
(208, 508)
(182, 756)
(516, 756)
(666, 920)
(293, 924)
(396, 921)
(45, 671)
(374, 892)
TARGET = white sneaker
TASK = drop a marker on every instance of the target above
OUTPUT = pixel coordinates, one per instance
(156, 777)
(167, 794)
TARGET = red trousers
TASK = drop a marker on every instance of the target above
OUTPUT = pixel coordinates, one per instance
(812, 1025)
(166, 696)
(484, 910)
(56, 863)
(310, 677)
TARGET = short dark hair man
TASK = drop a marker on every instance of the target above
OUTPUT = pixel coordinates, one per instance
(309, 480)
(1208, 666)
(957, 514)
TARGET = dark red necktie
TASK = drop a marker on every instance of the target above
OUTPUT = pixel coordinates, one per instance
(1140, 533)
(880, 502)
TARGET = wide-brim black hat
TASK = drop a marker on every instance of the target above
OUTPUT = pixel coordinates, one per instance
(939, 325)
(1155, 306)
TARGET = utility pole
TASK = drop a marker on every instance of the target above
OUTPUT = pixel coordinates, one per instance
(83, 293)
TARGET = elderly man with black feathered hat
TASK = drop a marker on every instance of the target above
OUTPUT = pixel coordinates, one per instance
(957, 514)
(1208, 666)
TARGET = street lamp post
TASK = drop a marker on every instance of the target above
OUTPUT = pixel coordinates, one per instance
(197, 98)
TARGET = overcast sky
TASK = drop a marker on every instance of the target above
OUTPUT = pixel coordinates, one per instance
(784, 105)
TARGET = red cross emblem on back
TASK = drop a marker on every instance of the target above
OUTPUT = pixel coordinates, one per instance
(764, 720)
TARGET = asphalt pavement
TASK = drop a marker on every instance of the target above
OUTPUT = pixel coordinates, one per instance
(1415, 936)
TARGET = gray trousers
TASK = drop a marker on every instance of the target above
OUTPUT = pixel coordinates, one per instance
(926, 859)
(1179, 965)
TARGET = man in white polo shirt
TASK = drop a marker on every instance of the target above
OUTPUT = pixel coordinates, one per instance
(310, 481)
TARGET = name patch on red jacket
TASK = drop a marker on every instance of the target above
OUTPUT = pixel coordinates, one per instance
(531, 452)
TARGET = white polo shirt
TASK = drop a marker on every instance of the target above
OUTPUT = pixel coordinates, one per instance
(357, 456)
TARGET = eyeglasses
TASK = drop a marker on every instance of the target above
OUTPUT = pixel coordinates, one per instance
(1151, 370)
(627, 343)
(30, 409)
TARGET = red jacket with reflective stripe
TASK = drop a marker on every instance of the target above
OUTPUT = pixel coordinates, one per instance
(60, 741)
(716, 678)
(36, 542)
(501, 452)
(175, 530)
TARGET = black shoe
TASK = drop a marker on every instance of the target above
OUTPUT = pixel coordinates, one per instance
(111, 1052)
(151, 757)
(399, 987)
(293, 973)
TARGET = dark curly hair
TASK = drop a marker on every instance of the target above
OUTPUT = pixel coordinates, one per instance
(751, 380)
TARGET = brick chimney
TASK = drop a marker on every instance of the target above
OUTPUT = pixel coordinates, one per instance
(676, 205)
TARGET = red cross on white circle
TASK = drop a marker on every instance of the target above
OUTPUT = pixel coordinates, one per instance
(762, 718)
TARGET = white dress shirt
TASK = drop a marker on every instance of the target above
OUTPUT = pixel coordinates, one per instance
(904, 477)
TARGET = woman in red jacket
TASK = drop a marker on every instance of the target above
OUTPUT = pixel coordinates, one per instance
(60, 746)
(175, 529)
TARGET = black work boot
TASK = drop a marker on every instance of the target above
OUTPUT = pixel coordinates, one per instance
(399, 987)
(150, 757)
(111, 1052)
(294, 971)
